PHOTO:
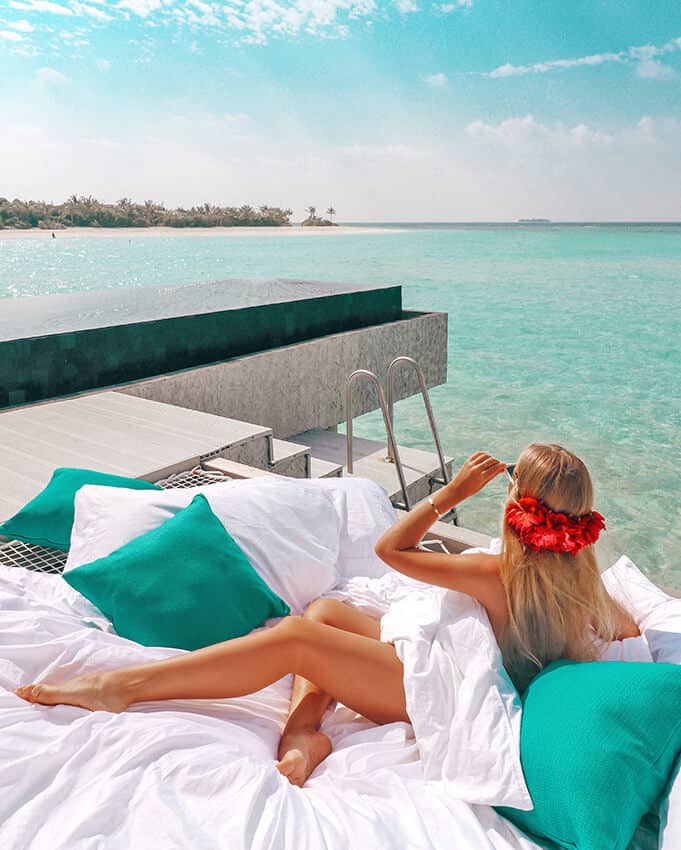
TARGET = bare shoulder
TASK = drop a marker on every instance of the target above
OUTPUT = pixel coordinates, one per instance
(625, 623)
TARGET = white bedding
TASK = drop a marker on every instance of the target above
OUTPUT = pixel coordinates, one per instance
(196, 774)
(199, 775)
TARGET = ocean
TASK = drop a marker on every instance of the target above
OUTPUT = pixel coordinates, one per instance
(567, 334)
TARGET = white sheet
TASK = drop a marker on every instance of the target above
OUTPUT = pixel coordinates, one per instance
(196, 774)
(464, 709)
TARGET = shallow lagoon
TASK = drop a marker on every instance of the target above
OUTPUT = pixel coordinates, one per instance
(562, 334)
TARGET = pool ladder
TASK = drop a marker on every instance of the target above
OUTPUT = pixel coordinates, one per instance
(387, 409)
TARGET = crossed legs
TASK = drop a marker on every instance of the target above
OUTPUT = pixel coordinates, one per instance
(351, 666)
(302, 746)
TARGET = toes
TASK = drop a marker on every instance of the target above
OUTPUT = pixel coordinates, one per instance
(290, 768)
(31, 693)
(25, 692)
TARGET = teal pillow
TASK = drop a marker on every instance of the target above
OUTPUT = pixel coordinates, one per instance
(185, 584)
(598, 741)
(47, 519)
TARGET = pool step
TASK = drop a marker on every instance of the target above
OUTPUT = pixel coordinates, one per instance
(420, 467)
(290, 459)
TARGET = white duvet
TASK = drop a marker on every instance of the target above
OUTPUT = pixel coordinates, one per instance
(201, 775)
(196, 774)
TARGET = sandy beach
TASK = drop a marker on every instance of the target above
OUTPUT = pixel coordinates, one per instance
(140, 232)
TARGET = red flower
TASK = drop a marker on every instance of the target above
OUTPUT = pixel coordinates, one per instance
(542, 529)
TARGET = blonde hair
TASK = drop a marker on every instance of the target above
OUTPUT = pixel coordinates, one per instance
(558, 606)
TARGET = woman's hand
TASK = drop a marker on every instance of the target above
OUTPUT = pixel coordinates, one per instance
(477, 471)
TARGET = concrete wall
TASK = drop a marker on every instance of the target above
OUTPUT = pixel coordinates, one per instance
(55, 364)
(299, 387)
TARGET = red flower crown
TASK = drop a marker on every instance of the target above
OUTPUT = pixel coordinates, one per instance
(542, 529)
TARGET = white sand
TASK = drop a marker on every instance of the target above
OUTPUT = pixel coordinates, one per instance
(137, 232)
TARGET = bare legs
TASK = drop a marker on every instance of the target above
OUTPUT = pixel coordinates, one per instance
(302, 746)
(356, 669)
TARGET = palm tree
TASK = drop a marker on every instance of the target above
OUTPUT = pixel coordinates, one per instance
(312, 212)
(149, 210)
(331, 212)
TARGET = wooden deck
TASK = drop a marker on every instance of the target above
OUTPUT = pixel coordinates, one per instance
(110, 432)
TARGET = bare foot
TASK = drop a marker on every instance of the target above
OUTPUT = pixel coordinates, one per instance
(300, 752)
(97, 692)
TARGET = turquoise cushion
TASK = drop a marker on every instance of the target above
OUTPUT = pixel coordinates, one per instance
(47, 520)
(598, 741)
(185, 584)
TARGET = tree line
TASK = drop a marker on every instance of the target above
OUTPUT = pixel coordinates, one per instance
(86, 211)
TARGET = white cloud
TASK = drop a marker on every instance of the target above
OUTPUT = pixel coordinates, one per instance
(642, 54)
(528, 133)
(438, 81)
(22, 26)
(8, 35)
(405, 7)
(497, 171)
(248, 21)
(143, 8)
(452, 6)
(90, 11)
(51, 75)
(40, 6)
(651, 69)
(103, 64)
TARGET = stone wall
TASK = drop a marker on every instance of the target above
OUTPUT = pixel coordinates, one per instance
(298, 387)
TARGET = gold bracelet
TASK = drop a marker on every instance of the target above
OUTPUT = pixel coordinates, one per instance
(432, 504)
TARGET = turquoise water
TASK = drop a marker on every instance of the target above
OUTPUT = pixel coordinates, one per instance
(561, 334)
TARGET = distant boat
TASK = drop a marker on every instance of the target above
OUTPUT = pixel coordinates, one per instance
(534, 221)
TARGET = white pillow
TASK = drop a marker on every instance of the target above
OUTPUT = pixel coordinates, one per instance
(289, 530)
(657, 614)
(659, 618)
(366, 513)
(670, 814)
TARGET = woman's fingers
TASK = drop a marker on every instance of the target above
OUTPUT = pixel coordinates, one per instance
(495, 470)
(488, 462)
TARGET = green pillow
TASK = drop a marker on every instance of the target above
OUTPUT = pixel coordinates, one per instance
(598, 741)
(185, 584)
(47, 519)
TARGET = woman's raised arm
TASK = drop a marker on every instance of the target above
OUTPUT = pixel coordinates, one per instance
(468, 573)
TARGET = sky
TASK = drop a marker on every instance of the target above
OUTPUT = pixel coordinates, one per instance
(387, 110)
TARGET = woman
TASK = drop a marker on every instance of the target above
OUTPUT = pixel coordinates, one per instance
(543, 595)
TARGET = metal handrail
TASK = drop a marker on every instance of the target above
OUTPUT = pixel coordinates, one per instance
(392, 445)
(429, 410)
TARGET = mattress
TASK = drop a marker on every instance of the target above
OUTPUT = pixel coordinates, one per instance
(197, 774)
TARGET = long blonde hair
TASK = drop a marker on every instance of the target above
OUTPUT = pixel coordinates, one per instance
(558, 606)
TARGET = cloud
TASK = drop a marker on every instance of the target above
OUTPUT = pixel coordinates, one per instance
(651, 69)
(527, 133)
(641, 54)
(22, 26)
(103, 64)
(143, 8)
(8, 35)
(437, 81)
(51, 75)
(40, 6)
(248, 21)
(452, 6)
(497, 172)
(90, 11)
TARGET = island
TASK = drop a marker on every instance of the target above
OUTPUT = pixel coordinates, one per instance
(86, 211)
(313, 220)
